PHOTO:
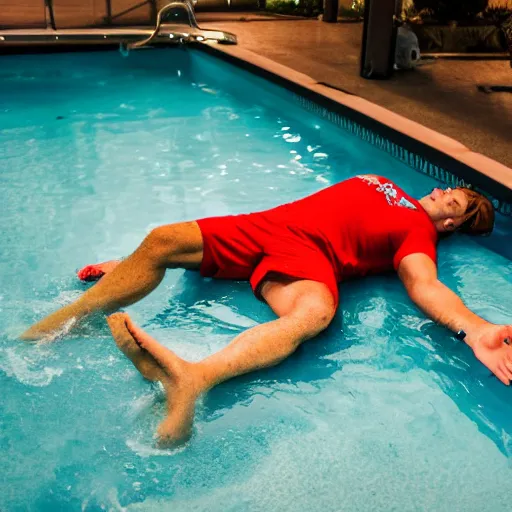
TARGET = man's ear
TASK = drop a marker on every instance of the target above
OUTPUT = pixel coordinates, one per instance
(449, 225)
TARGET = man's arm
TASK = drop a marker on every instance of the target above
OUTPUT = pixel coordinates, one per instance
(419, 275)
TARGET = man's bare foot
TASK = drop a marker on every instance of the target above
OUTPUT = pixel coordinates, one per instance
(142, 360)
(95, 272)
(182, 384)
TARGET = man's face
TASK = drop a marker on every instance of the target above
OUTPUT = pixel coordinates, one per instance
(446, 208)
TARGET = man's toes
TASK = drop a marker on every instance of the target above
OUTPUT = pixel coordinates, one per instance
(121, 335)
(141, 338)
(163, 356)
(116, 322)
(142, 360)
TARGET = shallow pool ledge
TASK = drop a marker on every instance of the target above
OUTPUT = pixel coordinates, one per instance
(484, 165)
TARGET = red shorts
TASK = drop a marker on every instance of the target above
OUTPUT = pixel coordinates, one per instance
(250, 247)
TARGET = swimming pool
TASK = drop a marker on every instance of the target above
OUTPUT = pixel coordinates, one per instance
(385, 410)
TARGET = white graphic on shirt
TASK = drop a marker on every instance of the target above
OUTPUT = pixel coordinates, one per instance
(389, 190)
(368, 178)
(406, 203)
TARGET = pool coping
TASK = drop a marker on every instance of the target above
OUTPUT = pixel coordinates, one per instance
(472, 167)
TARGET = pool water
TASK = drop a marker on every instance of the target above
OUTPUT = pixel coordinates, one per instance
(384, 411)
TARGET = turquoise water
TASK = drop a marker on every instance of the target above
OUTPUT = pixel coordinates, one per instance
(385, 411)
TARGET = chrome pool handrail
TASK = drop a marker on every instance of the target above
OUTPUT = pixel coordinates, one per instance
(184, 4)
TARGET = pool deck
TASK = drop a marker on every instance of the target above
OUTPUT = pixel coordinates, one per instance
(441, 95)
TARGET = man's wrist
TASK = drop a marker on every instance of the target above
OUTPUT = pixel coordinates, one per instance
(473, 331)
(461, 335)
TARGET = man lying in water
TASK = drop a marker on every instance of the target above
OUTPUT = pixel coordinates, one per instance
(294, 256)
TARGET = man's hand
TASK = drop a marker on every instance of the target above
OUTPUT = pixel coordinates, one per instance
(490, 347)
(419, 275)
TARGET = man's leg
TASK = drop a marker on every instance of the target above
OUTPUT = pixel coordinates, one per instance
(171, 246)
(305, 308)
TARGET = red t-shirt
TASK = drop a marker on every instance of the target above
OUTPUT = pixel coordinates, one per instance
(364, 225)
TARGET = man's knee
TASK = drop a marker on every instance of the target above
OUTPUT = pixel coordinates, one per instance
(315, 313)
(174, 243)
(160, 242)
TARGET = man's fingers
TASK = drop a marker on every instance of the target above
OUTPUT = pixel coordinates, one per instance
(506, 370)
(506, 357)
(501, 374)
(502, 377)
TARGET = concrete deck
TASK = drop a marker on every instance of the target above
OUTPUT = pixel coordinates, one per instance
(441, 95)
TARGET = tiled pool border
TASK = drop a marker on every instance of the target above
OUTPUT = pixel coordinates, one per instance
(431, 157)
(410, 158)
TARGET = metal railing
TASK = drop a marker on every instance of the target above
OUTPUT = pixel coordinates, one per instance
(175, 23)
(50, 16)
(49, 8)
(183, 4)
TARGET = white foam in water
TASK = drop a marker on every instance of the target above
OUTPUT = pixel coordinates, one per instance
(147, 450)
(143, 438)
(58, 333)
(16, 364)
